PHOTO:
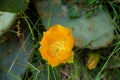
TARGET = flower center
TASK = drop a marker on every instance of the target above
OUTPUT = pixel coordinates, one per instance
(56, 48)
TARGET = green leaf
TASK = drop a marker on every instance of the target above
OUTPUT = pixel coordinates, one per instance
(71, 60)
(13, 6)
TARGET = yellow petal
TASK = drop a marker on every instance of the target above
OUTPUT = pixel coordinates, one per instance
(93, 59)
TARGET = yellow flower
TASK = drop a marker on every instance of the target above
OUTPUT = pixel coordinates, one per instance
(93, 59)
(56, 45)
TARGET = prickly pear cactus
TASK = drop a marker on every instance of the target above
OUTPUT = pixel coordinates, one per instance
(13, 6)
(13, 54)
(94, 32)
(6, 20)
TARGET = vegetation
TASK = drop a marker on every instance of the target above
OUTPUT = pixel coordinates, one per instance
(107, 66)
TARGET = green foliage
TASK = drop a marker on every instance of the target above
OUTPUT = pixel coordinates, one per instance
(13, 6)
(37, 68)
(72, 12)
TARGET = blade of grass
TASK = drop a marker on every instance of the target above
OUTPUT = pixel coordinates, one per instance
(33, 37)
(49, 18)
(54, 74)
(33, 67)
(116, 49)
(48, 69)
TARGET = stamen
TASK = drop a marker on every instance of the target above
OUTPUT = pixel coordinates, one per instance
(56, 48)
